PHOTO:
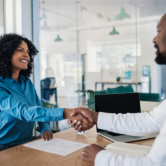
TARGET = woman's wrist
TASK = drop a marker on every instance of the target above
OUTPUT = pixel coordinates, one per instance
(67, 113)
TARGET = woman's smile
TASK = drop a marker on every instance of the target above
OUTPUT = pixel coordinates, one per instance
(25, 61)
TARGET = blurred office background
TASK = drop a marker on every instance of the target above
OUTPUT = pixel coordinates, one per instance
(89, 47)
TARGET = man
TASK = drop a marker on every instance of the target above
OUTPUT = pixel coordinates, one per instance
(132, 124)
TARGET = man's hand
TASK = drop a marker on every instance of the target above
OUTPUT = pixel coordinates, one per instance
(91, 116)
(80, 119)
(47, 135)
(89, 153)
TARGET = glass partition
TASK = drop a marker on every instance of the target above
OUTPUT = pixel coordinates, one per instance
(90, 47)
(109, 44)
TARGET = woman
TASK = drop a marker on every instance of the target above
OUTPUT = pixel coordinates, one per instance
(20, 106)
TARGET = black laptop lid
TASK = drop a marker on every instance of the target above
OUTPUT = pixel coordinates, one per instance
(117, 103)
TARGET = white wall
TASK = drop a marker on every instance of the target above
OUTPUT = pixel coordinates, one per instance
(1, 18)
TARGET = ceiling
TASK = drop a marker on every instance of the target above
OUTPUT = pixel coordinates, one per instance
(63, 14)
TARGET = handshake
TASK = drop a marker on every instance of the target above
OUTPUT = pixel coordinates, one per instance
(81, 119)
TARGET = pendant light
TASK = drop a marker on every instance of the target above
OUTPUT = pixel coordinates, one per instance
(113, 32)
(45, 27)
(122, 14)
(57, 38)
(43, 16)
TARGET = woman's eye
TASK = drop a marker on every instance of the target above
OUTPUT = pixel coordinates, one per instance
(19, 50)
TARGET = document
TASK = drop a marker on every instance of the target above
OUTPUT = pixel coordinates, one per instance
(56, 146)
(128, 149)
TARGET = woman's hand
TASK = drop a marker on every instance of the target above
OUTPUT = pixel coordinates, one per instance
(83, 122)
(47, 135)
(89, 153)
(87, 113)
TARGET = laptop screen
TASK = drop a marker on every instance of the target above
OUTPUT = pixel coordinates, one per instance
(117, 103)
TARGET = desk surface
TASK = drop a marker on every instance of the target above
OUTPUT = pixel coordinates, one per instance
(24, 156)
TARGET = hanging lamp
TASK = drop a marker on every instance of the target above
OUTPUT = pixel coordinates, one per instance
(43, 16)
(113, 32)
(58, 39)
(122, 15)
(45, 27)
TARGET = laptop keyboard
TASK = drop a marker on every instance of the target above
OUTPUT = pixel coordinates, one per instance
(113, 134)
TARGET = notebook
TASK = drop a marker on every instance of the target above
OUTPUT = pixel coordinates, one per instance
(128, 149)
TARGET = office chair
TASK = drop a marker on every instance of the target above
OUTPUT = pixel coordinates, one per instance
(48, 89)
(45, 88)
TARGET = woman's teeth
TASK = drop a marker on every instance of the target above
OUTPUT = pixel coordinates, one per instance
(24, 61)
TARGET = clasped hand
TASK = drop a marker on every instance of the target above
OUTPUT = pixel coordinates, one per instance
(81, 119)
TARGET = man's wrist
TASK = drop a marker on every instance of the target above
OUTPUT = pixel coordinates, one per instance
(95, 117)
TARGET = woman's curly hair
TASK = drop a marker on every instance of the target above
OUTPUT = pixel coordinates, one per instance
(8, 45)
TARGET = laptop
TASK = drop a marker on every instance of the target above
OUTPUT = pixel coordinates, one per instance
(119, 103)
